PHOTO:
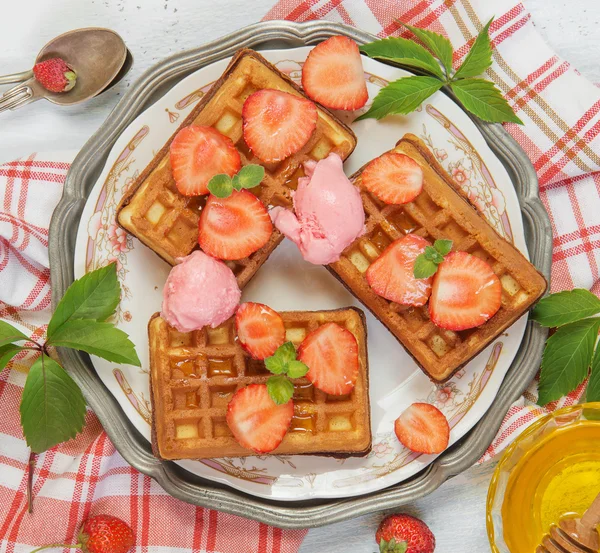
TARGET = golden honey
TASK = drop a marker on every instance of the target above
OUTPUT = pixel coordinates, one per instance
(558, 476)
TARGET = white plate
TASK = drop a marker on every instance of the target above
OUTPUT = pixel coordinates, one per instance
(287, 282)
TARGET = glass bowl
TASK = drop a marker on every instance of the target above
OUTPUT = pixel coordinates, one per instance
(552, 464)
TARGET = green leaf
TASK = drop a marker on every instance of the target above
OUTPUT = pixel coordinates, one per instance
(443, 247)
(275, 364)
(220, 186)
(101, 339)
(566, 307)
(296, 369)
(593, 387)
(402, 96)
(423, 267)
(431, 254)
(7, 352)
(403, 51)
(567, 357)
(94, 296)
(52, 407)
(483, 99)
(280, 389)
(438, 44)
(249, 177)
(8, 334)
(479, 57)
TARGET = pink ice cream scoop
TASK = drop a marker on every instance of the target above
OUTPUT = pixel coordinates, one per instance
(200, 291)
(329, 213)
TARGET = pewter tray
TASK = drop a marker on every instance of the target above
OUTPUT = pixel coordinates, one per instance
(133, 446)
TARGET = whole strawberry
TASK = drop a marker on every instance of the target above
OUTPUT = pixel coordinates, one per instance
(55, 75)
(404, 534)
(101, 534)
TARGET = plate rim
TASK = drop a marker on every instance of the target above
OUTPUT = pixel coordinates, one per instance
(132, 446)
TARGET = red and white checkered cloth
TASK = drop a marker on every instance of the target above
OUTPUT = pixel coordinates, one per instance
(86, 476)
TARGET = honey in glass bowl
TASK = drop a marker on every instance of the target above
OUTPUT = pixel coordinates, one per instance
(552, 470)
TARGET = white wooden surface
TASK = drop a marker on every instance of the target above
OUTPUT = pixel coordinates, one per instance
(154, 29)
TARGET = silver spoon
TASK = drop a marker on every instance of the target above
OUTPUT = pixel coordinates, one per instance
(99, 56)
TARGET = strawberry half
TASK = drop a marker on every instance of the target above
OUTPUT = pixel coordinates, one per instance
(198, 154)
(234, 227)
(423, 428)
(260, 329)
(277, 124)
(391, 274)
(333, 74)
(331, 354)
(256, 421)
(393, 178)
(465, 294)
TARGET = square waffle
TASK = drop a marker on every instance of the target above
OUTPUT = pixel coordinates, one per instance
(440, 211)
(194, 375)
(167, 222)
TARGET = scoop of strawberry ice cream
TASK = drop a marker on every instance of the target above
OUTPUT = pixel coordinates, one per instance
(200, 291)
(328, 212)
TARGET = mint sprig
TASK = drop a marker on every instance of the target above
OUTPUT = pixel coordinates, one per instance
(284, 365)
(569, 352)
(426, 264)
(52, 406)
(249, 176)
(477, 95)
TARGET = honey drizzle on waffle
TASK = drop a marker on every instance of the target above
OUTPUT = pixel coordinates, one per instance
(167, 222)
(194, 375)
(438, 212)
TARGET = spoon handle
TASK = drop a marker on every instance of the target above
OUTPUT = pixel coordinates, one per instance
(16, 77)
(16, 97)
(591, 518)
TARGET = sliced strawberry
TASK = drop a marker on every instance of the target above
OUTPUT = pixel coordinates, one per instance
(277, 124)
(333, 74)
(391, 274)
(234, 227)
(197, 155)
(393, 178)
(423, 428)
(256, 421)
(465, 294)
(260, 329)
(331, 354)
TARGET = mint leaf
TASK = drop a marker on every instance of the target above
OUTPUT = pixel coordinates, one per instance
(402, 96)
(403, 51)
(249, 176)
(438, 44)
(8, 334)
(94, 296)
(275, 364)
(483, 99)
(566, 307)
(101, 339)
(431, 254)
(423, 267)
(296, 369)
(287, 352)
(567, 357)
(593, 387)
(479, 57)
(52, 407)
(220, 186)
(443, 247)
(280, 389)
(7, 352)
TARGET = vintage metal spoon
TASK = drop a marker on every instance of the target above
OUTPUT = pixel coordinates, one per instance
(574, 535)
(99, 56)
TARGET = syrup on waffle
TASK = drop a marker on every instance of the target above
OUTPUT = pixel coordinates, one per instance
(155, 212)
(440, 211)
(194, 375)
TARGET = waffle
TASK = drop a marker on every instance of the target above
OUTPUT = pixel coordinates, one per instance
(194, 375)
(440, 211)
(167, 222)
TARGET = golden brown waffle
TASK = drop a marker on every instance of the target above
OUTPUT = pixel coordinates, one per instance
(167, 222)
(440, 211)
(194, 375)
